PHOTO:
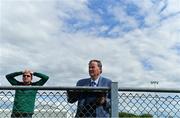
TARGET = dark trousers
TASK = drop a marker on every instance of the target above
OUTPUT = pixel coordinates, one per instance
(21, 115)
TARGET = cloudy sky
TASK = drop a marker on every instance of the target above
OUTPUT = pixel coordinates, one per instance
(138, 41)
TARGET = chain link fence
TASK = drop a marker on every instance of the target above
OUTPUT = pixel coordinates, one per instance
(131, 103)
(50, 102)
(47, 104)
(153, 103)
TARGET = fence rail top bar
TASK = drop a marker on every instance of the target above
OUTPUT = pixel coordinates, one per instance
(54, 88)
(128, 89)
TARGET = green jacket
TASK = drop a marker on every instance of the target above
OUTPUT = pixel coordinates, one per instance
(25, 99)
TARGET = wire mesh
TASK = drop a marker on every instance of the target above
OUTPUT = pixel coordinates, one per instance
(53, 103)
(47, 104)
(156, 105)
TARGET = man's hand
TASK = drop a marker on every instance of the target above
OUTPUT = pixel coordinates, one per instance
(101, 100)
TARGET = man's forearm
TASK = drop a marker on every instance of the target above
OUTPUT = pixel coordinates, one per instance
(72, 96)
(40, 75)
(11, 77)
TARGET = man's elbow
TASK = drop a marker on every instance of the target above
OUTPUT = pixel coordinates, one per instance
(8, 76)
(71, 100)
(47, 77)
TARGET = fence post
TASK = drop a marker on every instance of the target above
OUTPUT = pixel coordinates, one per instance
(114, 99)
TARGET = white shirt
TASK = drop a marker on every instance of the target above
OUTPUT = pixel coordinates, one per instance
(96, 81)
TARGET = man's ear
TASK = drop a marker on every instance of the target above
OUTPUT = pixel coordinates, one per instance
(31, 76)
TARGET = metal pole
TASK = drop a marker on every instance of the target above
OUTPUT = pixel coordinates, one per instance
(155, 96)
(114, 100)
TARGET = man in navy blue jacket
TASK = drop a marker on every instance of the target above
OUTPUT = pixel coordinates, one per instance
(92, 104)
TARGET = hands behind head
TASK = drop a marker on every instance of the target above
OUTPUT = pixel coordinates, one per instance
(28, 71)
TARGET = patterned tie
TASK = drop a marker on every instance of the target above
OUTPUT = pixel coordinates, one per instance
(93, 83)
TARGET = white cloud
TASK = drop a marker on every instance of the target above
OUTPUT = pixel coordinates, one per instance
(34, 36)
(121, 16)
(172, 7)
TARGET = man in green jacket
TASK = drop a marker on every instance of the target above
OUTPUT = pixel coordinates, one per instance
(25, 99)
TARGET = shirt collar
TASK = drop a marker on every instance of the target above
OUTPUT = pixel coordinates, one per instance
(96, 81)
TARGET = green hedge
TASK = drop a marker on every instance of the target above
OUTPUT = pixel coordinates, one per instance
(127, 115)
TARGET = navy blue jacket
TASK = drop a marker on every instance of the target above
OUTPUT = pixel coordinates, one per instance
(87, 105)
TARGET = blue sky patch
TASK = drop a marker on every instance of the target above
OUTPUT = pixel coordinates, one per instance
(102, 9)
(176, 48)
(147, 65)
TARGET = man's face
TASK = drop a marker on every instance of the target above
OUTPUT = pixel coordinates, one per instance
(94, 70)
(27, 78)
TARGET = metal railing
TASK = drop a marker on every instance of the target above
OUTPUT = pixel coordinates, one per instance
(125, 102)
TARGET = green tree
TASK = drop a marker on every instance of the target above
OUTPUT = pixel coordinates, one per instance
(130, 115)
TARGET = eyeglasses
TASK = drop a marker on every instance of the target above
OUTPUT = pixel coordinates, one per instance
(27, 75)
